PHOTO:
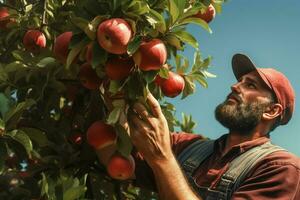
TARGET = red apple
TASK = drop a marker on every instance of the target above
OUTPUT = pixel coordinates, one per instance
(24, 174)
(76, 138)
(88, 77)
(100, 135)
(151, 55)
(172, 86)
(61, 46)
(208, 15)
(118, 68)
(120, 167)
(33, 40)
(3, 18)
(114, 35)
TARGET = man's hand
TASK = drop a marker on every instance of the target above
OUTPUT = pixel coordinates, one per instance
(150, 134)
(149, 131)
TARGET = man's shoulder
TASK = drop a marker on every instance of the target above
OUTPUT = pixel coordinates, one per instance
(181, 140)
(282, 158)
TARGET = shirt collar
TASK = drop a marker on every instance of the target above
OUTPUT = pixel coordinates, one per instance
(239, 148)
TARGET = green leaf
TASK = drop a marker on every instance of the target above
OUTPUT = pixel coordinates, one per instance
(4, 105)
(75, 51)
(3, 155)
(218, 5)
(136, 8)
(114, 116)
(15, 112)
(14, 66)
(98, 19)
(173, 40)
(134, 86)
(187, 124)
(2, 127)
(37, 136)
(74, 193)
(3, 75)
(119, 103)
(28, 7)
(197, 61)
(181, 5)
(18, 55)
(50, 13)
(84, 25)
(134, 45)
(114, 86)
(173, 10)
(124, 143)
(149, 76)
(11, 35)
(21, 138)
(132, 24)
(197, 21)
(45, 61)
(206, 62)
(44, 185)
(99, 55)
(199, 78)
(208, 74)
(186, 37)
(164, 72)
(184, 67)
(156, 20)
(189, 87)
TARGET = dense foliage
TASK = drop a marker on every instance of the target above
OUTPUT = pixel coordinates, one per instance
(49, 100)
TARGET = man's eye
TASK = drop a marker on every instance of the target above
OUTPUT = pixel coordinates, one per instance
(251, 85)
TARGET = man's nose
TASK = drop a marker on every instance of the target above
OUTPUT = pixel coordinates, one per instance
(236, 88)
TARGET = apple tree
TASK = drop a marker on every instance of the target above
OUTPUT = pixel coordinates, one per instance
(69, 73)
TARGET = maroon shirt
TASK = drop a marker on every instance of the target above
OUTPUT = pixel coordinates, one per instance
(276, 176)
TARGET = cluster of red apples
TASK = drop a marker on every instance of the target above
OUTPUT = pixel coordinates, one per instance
(113, 35)
(101, 135)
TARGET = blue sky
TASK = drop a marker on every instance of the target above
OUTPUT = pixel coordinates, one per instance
(267, 31)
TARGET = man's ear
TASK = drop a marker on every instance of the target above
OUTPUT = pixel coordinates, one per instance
(272, 112)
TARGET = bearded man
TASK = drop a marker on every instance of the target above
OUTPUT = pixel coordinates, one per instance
(242, 164)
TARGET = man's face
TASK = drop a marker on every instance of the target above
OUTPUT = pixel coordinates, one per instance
(243, 108)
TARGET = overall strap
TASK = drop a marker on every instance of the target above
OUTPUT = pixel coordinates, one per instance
(194, 154)
(239, 167)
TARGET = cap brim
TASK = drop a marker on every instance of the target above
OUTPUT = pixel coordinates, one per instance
(241, 65)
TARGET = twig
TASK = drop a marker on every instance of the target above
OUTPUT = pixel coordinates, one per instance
(44, 23)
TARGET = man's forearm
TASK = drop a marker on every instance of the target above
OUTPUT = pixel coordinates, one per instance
(171, 182)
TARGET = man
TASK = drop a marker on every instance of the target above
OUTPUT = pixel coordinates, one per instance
(261, 100)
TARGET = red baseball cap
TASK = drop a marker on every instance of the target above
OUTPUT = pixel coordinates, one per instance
(275, 80)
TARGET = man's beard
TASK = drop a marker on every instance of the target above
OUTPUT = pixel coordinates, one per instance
(240, 116)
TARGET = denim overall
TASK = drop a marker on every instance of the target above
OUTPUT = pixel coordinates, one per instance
(193, 155)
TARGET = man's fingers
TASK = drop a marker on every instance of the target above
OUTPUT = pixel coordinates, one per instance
(153, 103)
(137, 122)
(142, 111)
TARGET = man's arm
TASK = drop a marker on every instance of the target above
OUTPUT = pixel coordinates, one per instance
(150, 134)
(171, 182)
